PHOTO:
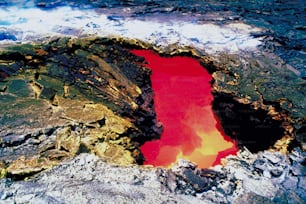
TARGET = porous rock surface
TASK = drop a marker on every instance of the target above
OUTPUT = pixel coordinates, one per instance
(267, 177)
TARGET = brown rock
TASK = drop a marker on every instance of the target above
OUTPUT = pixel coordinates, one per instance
(69, 96)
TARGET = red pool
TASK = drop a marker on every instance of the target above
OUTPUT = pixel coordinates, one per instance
(182, 97)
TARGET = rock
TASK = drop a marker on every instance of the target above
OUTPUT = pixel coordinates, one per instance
(65, 97)
(213, 196)
(266, 174)
(48, 93)
(87, 178)
(5, 196)
(297, 155)
(226, 187)
(199, 183)
(302, 184)
(290, 183)
(186, 178)
(182, 163)
(298, 169)
(2, 170)
(245, 154)
(261, 165)
(263, 186)
(114, 153)
(90, 96)
(272, 157)
(285, 196)
(23, 167)
(253, 199)
(276, 172)
(171, 181)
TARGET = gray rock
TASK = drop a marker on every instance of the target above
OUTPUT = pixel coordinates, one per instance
(171, 181)
(298, 169)
(288, 197)
(182, 163)
(272, 157)
(260, 164)
(227, 187)
(252, 198)
(302, 183)
(267, 174)
(291, 183)
(297, 155)
(87, 179)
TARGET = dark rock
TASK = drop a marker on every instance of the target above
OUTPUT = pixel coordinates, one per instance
(209, 173)
(199, 183)
(298, 169)
(115, 18)
(48, 93)
(301, 133)
(276, 172)
(247, 125)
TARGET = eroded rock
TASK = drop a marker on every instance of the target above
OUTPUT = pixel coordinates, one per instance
(69, 96)
(88, 178)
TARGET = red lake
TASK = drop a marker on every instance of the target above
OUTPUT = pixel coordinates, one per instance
(183, 104)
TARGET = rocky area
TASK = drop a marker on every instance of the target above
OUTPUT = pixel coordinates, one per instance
(248, 178)
(74, 111)
(65, 107)
(93, 95)
(71, 96)
(282, 22)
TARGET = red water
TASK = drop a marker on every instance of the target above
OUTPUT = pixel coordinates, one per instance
(182, 99)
